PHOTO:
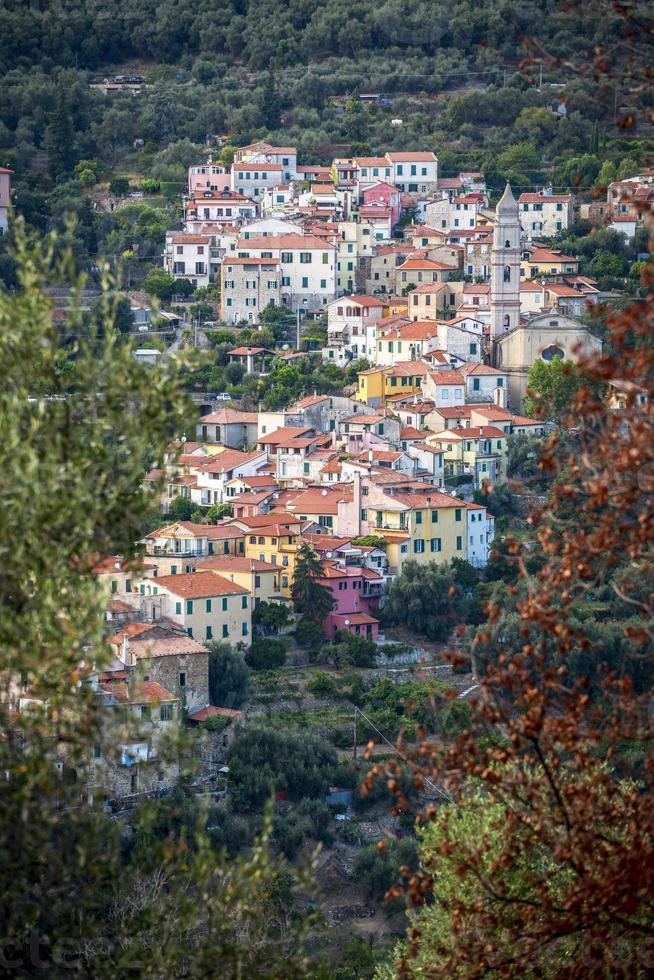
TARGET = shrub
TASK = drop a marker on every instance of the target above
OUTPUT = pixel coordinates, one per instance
(323, 685)
(228, 675)
(264, 758)
(309, 633)
(119, 186)
(266, 654)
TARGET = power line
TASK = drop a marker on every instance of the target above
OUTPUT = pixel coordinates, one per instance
(408, 761)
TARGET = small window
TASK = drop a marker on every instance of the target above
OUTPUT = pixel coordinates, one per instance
(166, 712)
(178, 609)
(244, 602)
(189, 607)
(225, 630)
(182, 679)
(244, 629)
(208, 605)
(457, 514)
(224, 603)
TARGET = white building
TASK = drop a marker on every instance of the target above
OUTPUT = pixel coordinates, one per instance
(252, 179)
(481, 531)
(482, 382)
(542, 215)
(348, 318)
(214, 473)
(414, 172)
(187, 256)
(262, 152)
(445, 388)
(307, 263)
(218, 210)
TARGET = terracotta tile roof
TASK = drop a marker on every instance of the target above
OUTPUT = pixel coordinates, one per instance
(423, 263)
(165, 646)
(228, 416)
(447, 377)
(289, 241)
(480, 369)
(245, 351)
(310, 401)
(228, 460)
(213, 711)
(283, 434)
(251, 165)
(199, 585)
(477, 432)
(323, 501)
(409, 432)
(186, 238)
(145, 693)
(456, 412)
(264, 520)
(530, 198)
(130, 630)
(422, 156)
(258, 481)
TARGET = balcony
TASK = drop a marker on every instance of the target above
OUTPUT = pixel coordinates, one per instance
(158, 551)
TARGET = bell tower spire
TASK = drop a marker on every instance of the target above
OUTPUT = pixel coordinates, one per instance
(505, 267)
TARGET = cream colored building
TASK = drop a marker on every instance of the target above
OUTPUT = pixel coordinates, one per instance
(260, 578)
(207, 605)
(545, 337)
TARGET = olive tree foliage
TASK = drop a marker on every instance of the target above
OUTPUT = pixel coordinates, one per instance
(78, 426)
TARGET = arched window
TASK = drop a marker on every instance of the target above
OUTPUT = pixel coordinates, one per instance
(551, 352)
(507, 244)
(507, 273)
(507, 322)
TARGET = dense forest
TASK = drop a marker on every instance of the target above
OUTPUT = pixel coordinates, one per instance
(478, 85)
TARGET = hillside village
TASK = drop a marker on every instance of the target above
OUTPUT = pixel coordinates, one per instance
(328, 349)
(442, 304)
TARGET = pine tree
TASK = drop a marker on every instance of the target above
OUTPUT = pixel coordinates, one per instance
(269, 103)
(59, 139)
(311, 597)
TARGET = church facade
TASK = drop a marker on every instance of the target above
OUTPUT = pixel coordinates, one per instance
(516, 343)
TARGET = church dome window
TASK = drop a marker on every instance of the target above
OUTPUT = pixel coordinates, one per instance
(551, 352)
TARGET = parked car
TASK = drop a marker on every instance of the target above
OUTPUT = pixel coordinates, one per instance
(143, 328)
(224, 396)
(209, 323)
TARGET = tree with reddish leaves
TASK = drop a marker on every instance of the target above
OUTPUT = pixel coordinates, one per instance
(556, 873)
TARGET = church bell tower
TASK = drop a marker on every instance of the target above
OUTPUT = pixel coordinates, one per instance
(505, 269)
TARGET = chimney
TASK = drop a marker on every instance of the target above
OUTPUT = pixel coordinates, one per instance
(128, 658)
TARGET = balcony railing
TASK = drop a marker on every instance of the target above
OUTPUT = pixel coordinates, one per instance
(167, 552)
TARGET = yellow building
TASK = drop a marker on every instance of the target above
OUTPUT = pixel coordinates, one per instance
(260, 578)
(479, 451)
(539, 261)
(396, 307)
(378, 384)
(424, 525)
(273, 539)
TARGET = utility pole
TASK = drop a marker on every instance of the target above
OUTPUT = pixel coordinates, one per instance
(297, 346)
(354, 747)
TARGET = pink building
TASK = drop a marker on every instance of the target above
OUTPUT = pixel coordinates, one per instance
(387, 195)
(5, 198)
(208, 177)
(356, 591)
